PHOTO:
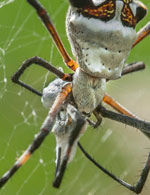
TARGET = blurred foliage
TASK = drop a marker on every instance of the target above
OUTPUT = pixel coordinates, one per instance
(22, 35)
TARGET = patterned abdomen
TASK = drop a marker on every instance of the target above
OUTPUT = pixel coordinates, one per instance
(100, 47)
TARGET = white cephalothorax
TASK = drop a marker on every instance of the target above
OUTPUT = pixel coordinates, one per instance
(87, 91)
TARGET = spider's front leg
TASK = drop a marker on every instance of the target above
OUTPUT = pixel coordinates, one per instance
(45, 130)
(42, 13)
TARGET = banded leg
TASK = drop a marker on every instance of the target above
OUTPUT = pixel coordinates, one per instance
(127, 117)
(117, 106)
(139, 185)
(144, 32)
(45, 130)
(40, 62)
(143, 126)
(50, 27)
(79, 124)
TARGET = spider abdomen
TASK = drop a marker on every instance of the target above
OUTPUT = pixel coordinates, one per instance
(100, 47)
(101, 61)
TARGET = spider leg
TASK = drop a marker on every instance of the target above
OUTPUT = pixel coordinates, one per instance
(143, 126)
(144, 32)
(133, 67)
(50, 27)
(45, 130)
(74, 135)
(117, 106)
(127, 117)
(98, 122)
(40, 62)
(142, 179)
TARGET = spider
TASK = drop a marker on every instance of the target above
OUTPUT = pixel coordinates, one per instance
(101, 34)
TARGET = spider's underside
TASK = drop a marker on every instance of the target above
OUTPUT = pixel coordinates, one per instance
(100, 51)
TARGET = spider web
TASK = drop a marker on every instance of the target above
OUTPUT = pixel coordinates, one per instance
(117, 147)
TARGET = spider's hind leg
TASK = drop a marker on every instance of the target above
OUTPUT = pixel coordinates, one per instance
(42, 13)
(142, 179)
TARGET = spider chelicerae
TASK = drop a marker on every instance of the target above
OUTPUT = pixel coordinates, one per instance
(101, 34)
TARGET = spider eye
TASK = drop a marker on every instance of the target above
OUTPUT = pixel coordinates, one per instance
(81, 3)
(141, 11)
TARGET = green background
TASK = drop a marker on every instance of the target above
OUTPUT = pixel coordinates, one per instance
(119, 148)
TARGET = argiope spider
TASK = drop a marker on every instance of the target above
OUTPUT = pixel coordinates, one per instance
(101, 35)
